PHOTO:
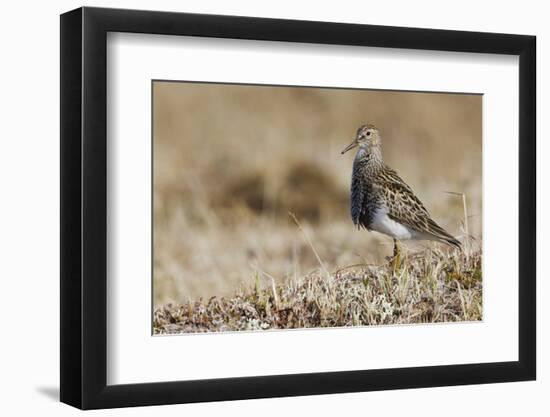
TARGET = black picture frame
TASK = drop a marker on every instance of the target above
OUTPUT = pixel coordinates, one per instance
(84, 207)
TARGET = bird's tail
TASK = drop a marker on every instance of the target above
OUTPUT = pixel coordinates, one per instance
(451, 241)
(442, 235)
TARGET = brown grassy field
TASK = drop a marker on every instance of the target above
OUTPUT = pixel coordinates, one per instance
(231, 162)
(432, 287)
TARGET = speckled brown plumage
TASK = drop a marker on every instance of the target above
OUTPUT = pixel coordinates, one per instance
(382, 201)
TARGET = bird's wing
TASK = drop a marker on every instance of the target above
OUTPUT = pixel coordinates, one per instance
(406, 208)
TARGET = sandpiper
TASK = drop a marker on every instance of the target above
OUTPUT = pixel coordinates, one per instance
(383, 202)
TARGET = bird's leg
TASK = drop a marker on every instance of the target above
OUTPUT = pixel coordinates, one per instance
(396, 261)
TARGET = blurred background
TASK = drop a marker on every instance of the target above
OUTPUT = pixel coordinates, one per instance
(231, 161)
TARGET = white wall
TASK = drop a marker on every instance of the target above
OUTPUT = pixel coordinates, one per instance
(29, 238)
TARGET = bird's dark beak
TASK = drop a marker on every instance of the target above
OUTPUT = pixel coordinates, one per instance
(350, 146)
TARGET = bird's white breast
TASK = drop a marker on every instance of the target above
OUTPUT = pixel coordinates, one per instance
(382, 223)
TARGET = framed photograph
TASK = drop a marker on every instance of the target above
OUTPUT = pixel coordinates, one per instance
(257, 208)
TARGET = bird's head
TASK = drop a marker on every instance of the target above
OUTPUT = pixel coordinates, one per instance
(367, 138)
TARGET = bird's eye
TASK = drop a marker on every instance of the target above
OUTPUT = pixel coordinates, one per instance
(368, 133)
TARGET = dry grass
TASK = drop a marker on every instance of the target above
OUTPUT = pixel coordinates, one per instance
(431, 286)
